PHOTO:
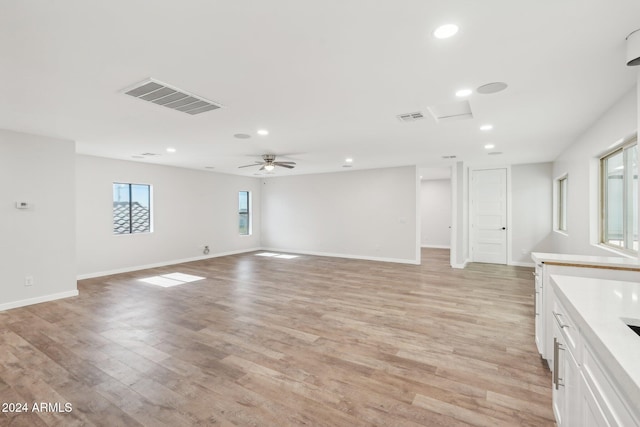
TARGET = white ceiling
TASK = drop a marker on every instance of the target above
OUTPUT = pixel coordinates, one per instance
(326, 78)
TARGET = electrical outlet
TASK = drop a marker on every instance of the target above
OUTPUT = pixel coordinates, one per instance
(28, 281)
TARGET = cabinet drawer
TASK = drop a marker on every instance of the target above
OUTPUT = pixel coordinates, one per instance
(569, 330)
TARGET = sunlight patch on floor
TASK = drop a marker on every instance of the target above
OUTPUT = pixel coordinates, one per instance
(172, 279)
(274, 255)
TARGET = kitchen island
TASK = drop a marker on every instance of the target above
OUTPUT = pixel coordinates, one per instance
(597, 364)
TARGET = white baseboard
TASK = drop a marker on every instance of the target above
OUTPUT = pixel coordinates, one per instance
(162, 264)
(435, 246)
(199, 258)
(38, 300)
(334, 255)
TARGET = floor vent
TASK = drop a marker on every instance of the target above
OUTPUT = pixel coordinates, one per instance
(177, 99)
(410, 117)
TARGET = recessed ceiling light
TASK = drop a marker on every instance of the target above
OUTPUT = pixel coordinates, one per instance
(463, 92)
(445, 31)
(495, 153)
(489, 146)
(209, 167)
(242, 136)
(171, 150)
(486, 127)
(263, 132)
(348, 160)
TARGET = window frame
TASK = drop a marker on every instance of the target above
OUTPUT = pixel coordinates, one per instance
(628, 207)
(130, 185)
(248, 214)
(562, 200)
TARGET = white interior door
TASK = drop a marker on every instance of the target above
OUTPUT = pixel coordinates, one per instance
(489, 216)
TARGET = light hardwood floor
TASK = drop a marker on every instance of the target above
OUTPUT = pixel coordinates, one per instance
(309, 341)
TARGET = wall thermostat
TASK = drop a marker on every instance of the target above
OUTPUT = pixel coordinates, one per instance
(22, 205)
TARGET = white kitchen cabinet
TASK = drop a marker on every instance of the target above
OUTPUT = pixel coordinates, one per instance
(596, 381)
(538, 307)
(566, 370)
(546, 264)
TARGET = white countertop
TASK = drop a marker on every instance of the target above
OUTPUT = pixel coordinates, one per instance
(601, 261)
(597, 306)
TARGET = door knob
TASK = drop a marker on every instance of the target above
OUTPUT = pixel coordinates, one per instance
(504, 228)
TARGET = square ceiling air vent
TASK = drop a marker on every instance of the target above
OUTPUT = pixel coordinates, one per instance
(410, 117)
(454, 111)
(168, 96)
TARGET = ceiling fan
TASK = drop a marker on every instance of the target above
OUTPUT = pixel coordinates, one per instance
(270, 163)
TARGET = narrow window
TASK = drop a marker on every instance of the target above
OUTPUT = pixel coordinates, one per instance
(563, 185)
(244, 212)
(131, 208)
(619, 198)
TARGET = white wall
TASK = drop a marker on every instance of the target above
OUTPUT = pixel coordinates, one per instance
(370, 214)
(190, 209)
(39, 241)
(435, 213)
(580, 162)
(531, 211)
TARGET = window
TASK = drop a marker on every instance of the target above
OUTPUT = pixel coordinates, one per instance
(619, 198)
(131, 208)
(562, 187)
(244, 205)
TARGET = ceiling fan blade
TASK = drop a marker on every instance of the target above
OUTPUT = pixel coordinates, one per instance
(270, 157)
(284, 165)
(248, 166)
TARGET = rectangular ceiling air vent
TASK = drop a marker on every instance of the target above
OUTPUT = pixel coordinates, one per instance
(410, 117)
(454, 111)
(168, 96)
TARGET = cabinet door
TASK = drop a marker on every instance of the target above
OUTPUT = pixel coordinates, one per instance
(570, 380)
(592, 415)
(538, 309)
(604, 394)
(567, 403)
(558, 390)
